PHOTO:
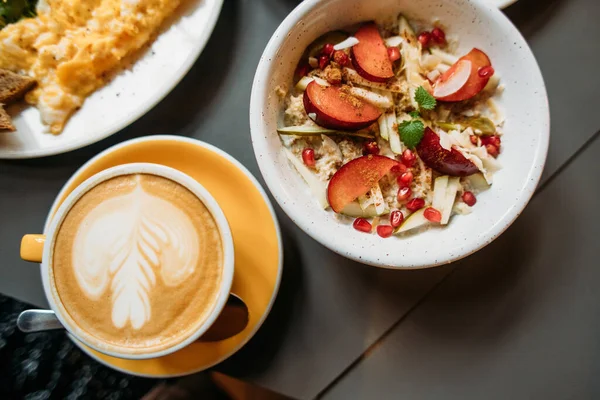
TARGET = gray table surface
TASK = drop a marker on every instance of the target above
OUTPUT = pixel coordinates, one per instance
(345, 330)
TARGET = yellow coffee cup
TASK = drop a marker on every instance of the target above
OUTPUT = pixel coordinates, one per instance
(153, 262)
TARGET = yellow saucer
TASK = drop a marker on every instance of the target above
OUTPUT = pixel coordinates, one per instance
(254, 227)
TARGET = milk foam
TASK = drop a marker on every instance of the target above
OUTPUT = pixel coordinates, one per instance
(128, 242)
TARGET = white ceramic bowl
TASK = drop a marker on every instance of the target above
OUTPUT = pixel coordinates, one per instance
(524, 144)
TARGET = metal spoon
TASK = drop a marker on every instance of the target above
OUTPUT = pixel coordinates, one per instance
(232, 320)
(38, 320)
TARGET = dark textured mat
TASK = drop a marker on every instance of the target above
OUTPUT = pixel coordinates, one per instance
(38, 366)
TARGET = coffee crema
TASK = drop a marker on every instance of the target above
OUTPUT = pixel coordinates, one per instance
(138, 263)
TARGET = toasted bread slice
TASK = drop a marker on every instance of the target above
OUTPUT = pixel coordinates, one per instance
(5, 121)
(13, 86)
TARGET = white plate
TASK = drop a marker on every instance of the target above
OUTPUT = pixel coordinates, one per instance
(502, 3)
(129, 96)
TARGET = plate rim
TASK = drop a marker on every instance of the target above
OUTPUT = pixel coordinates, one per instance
(504, 3)
(177, 76)
(255, 183)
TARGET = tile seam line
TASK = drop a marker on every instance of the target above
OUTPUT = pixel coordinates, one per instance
(393, 327)
(568, 162)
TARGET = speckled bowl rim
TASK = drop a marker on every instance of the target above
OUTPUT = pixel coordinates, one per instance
(268, 166)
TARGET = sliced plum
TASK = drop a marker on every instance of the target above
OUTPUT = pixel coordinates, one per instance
(370, 55)
(356, 178)
(449, 162)
(335, 108)
(463, 80)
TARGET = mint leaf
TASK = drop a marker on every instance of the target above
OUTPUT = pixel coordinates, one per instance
(414, 114)
(411, 132)
(424, 99)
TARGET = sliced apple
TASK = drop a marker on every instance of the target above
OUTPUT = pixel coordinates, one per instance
(462, 81)
(317, 187)
(356, 178)
(446, 58)
(394, 137)
(375, 199)
(304, 81)
(370, 56)
(451, 191)
(354, 210)
(383, 128)
(444, 195)
(439, 191)
(411, 51)
(376, 99)
(334, 108)
(316, 48)
(393, 85)
(308, 130)
(478, 183)
(450, 162)
(481, 125)
(415, 220)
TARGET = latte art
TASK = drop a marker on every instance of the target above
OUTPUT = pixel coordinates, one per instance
(138, 263)
(124, 242)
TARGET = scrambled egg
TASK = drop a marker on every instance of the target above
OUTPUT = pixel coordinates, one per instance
(72, 47)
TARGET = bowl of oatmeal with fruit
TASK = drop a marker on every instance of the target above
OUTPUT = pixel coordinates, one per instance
(396, 134)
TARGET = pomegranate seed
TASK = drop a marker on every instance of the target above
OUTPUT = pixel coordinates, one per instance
(432, 214)
(396, 218)
(473, 139)
(308, 156)
(385, 231)
(424, 38)
(393, 53)
(469, 199)
(415, 204)
(438, 36)
(303, 70)
(404, 193)
(341, 58)
(371, 148)
(328, 50)
(405, 179)
(398, 169)
(486, 72)
(323, 61)
(362, 225)
(492, 150)
(408, 158)
(494, 140)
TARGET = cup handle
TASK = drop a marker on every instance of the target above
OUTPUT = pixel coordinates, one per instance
(233, 319)
(32, 247)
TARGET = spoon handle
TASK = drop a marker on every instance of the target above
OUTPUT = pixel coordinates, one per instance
(38, 320)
